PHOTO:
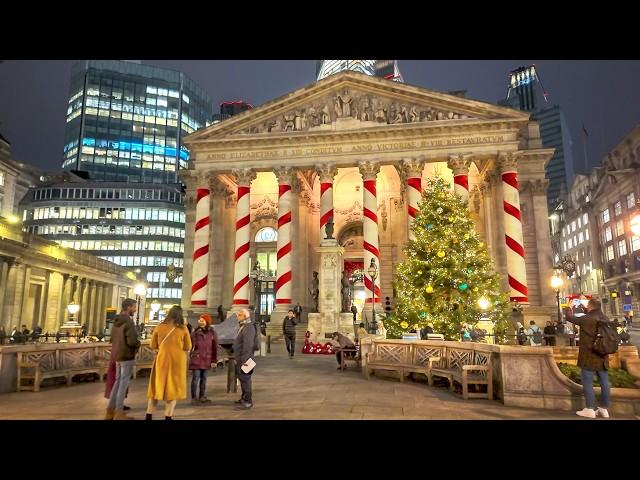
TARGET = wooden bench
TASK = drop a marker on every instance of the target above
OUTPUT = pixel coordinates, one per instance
(144, 359)
(344, 358)
(466, 366)
(40, 365)
(395, 357)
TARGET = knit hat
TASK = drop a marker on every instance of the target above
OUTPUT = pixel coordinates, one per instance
(207, 318)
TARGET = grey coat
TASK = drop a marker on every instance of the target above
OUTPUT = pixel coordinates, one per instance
(243, 344)
(587, 358)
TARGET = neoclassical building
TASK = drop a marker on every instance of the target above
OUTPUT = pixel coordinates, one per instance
(357, 149)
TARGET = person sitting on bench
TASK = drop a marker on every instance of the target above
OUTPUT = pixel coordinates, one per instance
(342, 342)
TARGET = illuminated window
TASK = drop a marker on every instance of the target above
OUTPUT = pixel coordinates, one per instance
(580, 238)
(617, 209)
(631, 200)
(607, 234)
(635, 243)
(622, 247)
(585, 219)
(604, 215)
(573, 226)
(619, 228)
(610, 255)
(586, 234)
(266, 234)
(1, 178)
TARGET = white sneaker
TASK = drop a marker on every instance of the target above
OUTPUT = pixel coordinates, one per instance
(603, 412)
(587, 412)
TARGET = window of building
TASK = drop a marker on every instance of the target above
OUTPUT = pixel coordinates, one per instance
(573, 226)
(266, 234)
(569, 243)
(607, 234)
(580, 237)
(610, 255)
(564, 246)
(617, 208)
(622, 247)
(604, 215)
(635, 243)
(586, 234)
(619, 228)
(631, 200)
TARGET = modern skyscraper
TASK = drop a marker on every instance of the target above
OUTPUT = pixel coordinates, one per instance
(121, 198)
(228, 109)
(126, 121)
(526, 92)
(387, 69)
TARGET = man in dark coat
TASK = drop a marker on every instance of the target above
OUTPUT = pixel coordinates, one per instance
(242, 353)
(590, 362)
(289, 331)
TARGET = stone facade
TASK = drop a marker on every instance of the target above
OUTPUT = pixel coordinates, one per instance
(363, 139)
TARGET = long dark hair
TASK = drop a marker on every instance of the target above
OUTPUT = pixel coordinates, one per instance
(175, 316)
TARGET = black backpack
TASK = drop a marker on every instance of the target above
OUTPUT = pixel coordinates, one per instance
(537, 336)
(607, 338)
(257, 337)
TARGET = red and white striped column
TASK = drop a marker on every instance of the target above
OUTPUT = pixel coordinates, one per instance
(516, 268)
(200, 257)
(243, 237)
(460, 167)
(413, 173)
(369, 171)
(326, 173)
(285, 177)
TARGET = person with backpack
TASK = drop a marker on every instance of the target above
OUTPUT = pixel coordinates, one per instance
(598, 339)
(247, 341)
(521, 334)
(535, 334)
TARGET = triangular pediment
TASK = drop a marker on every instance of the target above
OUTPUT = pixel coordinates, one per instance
(353, 101)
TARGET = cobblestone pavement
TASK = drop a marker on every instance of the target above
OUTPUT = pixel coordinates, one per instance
(307, 387)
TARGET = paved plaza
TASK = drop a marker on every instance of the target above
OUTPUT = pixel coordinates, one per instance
(307, 387)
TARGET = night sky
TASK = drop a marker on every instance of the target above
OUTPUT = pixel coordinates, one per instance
(602, 95)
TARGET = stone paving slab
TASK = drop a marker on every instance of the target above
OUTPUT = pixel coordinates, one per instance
(307, 387)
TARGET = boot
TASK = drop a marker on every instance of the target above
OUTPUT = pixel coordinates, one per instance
(110, 413)
(121, 415)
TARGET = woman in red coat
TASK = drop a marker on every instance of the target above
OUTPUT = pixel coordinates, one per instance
(203, 355)
(111, 379)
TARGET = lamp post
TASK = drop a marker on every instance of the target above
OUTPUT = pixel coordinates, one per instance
(373, 274)
(73, 308)
(139, 290)
(556, 283)
(155, 308)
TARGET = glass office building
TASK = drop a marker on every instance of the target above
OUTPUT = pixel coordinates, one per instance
(126, 121)
(387, 69)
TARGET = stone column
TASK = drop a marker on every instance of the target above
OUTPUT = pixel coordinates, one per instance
(412, 169)
(326, 173)
(4, 274)
(460, 167)
(369, 171)
(543, 242)
(217, 243)
(200, 255)
(516, 268)
(10, 292)
(65, 298)
(244, 177)
(99, 309)
(91, 311)
(284, 247)
(25, 316)
(84, 302)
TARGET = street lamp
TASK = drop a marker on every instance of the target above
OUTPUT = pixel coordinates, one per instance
(155, 308)
(483, 303)
(556, 283)
(373, 274)
(73, 308)
(139, 290)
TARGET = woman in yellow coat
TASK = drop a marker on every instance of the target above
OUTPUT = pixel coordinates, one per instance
(168, 380)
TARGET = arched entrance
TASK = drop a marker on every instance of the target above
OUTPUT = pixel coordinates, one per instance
(351, 238)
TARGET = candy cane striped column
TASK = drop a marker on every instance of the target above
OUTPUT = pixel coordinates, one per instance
(413, 172)
(200, 257)
(460, 167)
(369, 171)
(326, 174)
(516, 268)
(283, 281)
(241, 267)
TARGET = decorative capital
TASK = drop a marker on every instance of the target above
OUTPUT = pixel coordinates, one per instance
(459, 164)
(190, 198)
(508, 162)
(244, 176)
(326, 172)
(285, 175)
(539, 186)
(413, 167)
(368, 169)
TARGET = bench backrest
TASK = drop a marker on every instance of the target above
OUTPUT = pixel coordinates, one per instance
(47, 359)
(420, 354)
(390, 352)
(76, 358)
(145, 354)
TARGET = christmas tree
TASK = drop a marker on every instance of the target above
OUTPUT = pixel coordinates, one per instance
(447, 278)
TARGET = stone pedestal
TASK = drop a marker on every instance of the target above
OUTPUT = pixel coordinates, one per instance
(73, 329)
(540, 315)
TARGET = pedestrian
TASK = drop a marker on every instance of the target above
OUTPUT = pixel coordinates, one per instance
(220, 314)
(168, 380)
(204, 354)
(361, 332)
(342, 342)
(465, 334)
(3, 335)
(535, 334)
(628, 319)
(354, 311)
(243, 348)
(289, 331)
(381, 330)
(590, 362)
(111, 379)
(550, 335)
(125, 343)
(521, 335)
(298, 311)
(37, 331)
(25, 334)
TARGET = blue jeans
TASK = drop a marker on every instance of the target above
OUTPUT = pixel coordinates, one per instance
(199, 376)
(587, 387)
(123, 375)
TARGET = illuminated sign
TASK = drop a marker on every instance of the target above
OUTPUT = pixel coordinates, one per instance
(614, 294)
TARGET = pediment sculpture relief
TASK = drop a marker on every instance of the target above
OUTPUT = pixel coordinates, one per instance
(368, 109)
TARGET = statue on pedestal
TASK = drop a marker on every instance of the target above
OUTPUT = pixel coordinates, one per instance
(315, 291)
(328, 228)
(346, 292)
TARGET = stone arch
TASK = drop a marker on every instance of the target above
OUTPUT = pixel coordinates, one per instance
(351, 229)
(260, 223)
